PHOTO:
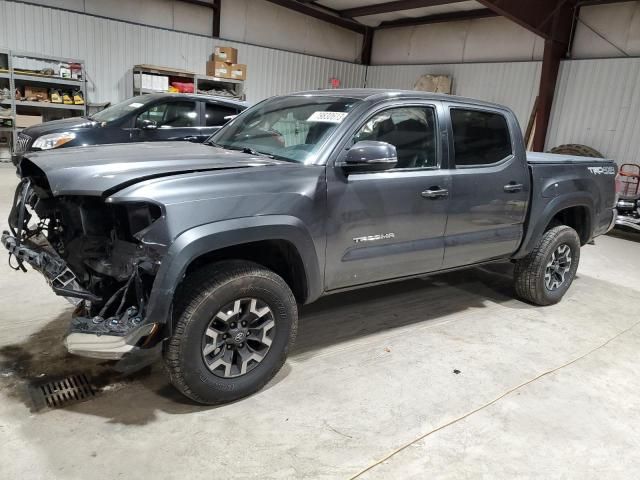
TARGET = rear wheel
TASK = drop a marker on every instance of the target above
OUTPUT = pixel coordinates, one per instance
(236, 323)
(545, 275)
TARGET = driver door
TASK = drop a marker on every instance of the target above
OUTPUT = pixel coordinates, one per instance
(387, 225)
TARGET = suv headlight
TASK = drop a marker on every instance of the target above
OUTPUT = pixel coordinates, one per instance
(53, 140)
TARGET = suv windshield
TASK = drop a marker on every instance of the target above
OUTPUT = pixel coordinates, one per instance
(118, 110)
(289, 128)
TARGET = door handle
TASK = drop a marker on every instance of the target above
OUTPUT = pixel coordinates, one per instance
(191, 138)
(513, 187)
(435, 193)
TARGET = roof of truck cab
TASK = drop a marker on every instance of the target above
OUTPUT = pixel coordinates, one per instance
(383, 94)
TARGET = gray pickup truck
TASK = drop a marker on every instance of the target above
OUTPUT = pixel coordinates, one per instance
(204, 251)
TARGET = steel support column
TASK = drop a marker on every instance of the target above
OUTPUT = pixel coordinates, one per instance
(553, 53)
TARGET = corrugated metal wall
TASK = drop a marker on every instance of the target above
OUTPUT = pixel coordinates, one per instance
(110, 48)
(598, 104)
(512, 84)
(597, 101)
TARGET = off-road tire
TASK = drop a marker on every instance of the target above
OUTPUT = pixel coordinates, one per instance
(576, 150)
(204, 293)
(530, 270)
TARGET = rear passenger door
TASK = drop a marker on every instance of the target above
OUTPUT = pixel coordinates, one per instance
(489, 186)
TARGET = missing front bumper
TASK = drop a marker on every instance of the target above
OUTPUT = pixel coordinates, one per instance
(106, 338)
(41, 257)
(108, 347)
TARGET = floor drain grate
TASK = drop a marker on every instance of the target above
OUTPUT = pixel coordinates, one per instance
(63, 392)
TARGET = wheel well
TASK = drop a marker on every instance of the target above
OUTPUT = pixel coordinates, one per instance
(279, 256)
(577, 218)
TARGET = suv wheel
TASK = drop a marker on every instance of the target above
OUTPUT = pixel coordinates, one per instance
(545, 275)
(236, 322)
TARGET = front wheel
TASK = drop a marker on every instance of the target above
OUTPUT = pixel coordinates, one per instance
(236, 324)
(545, 275)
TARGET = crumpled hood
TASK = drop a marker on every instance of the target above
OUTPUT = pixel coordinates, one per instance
(104, 169)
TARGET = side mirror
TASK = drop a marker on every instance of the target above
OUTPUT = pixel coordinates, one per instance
(149, 125)
(368, 156)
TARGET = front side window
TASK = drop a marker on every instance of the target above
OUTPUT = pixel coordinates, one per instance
(170, 115)
(480, 138)
(412, 130)
(291, 128)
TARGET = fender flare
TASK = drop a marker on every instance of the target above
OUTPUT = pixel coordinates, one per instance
(207, 238)
(538, 222)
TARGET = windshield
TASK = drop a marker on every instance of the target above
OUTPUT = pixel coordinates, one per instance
(289, 128)
(118, 110)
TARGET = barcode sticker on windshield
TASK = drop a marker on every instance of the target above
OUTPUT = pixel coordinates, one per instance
(327, 117)
(135, 105)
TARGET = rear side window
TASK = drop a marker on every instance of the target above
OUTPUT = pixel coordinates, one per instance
(218, 115)
(479, 138)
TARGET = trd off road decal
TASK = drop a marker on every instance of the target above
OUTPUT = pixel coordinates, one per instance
(602, 170)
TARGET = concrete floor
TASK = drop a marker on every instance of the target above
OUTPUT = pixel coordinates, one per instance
(369, 389)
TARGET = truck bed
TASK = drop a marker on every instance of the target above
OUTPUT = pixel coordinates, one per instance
(543, 158)
(563, 180)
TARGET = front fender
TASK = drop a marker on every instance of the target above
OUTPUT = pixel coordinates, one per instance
(543, 214)
(203, 239)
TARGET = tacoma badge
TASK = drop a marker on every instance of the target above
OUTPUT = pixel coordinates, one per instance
(373, 238)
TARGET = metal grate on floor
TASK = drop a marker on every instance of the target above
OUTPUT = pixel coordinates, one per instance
(63, 392)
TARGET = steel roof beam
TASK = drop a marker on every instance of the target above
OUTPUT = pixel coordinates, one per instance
(440, 18)
(306, 9)
(395, 6)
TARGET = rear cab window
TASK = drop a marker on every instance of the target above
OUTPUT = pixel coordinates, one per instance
(480, 137)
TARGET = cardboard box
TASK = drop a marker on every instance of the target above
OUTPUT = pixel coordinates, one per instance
(434, 84)
(219, 69)
(238, 71)
(225, 55)
(24, 121)
(32, 93)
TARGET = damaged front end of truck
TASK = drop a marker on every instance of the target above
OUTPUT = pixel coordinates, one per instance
(100, 255)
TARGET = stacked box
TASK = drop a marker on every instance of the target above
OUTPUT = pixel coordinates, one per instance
(225, 55)
(224, 64)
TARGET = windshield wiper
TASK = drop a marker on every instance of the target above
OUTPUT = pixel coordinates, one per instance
(251, 151)
(247, 150)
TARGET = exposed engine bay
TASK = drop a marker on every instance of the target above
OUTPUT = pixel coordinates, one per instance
(90, 251)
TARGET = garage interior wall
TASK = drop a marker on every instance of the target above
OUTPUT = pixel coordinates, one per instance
(598, 95)
(514, 84)
(597, 100)
(263, 23)
(110, 48)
